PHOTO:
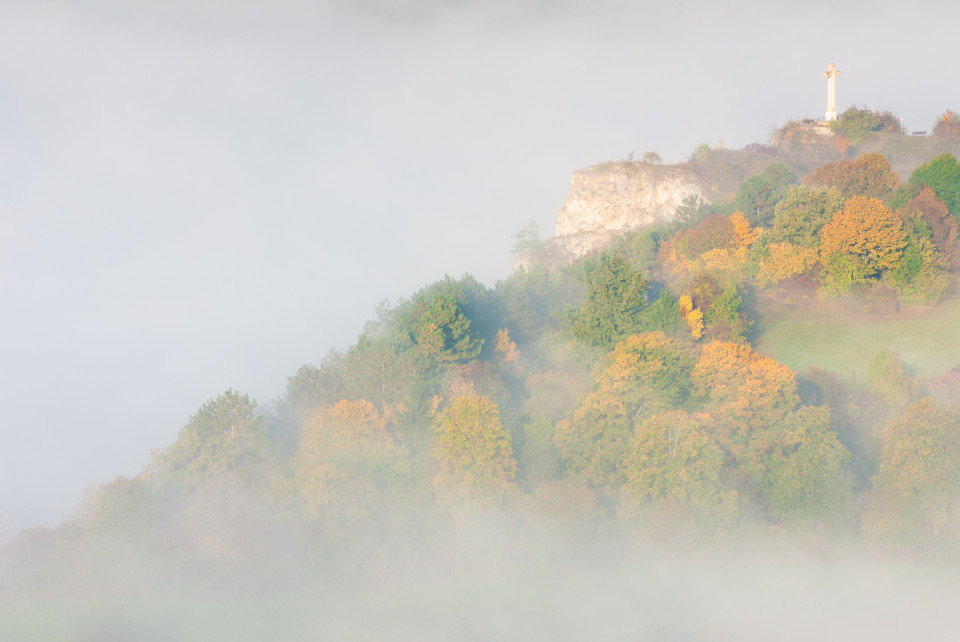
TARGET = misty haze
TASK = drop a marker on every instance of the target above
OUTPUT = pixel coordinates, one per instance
(479, 321)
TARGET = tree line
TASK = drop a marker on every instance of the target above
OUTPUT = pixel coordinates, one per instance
(617, 394)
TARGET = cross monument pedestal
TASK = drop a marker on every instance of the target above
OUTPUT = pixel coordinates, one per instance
(831, 75)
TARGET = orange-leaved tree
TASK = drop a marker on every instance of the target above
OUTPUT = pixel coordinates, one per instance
(648, 372)
(717, 244)
(784, 261)
(742, 390)
(863, 239)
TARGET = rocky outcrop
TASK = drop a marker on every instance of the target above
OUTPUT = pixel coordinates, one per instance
(612, 198)
(609, 199)
(624, 196)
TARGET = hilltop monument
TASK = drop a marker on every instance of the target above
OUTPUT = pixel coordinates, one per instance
(831, 75)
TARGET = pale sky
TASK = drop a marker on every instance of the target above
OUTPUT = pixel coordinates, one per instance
(198, 195)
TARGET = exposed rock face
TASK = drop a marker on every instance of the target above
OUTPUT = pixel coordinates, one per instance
(624, 196)
(608, 199)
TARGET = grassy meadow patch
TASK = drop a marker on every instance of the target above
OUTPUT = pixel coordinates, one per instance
(830, 338)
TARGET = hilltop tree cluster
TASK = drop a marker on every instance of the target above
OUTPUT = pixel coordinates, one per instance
(617, 394)
(851, 227)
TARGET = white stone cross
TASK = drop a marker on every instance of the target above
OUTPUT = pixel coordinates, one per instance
(831, 75)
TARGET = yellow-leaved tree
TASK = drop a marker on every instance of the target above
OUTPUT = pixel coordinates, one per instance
(477, 466)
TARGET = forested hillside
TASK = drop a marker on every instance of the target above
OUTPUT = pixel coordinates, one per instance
(621, 396)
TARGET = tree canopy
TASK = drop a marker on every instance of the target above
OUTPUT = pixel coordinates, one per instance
(611, 307)
(942, 175)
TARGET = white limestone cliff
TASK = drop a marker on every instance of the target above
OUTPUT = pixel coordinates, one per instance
(624, 196)
(612, 198)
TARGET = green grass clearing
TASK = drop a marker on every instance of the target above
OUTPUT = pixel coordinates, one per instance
(830, 338)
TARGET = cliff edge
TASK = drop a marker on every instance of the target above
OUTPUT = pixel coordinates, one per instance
(609, 199)
(617, 197)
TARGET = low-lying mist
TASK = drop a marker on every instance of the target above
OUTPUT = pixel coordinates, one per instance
(501, 576)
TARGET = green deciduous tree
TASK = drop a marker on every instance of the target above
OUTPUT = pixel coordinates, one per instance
(759, 194)
(888, 379)
(942, 175)
(595, 441)
(674, 459)
(918, 464)
(921, 273)
(801, 214)
(800, 469)
(856, 124)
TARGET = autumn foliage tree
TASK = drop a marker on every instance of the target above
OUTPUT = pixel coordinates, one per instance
(862, 240)
(742, 390)
(346, 461)
(648, 372)
(792, 459)
(870, 175)
(947, 126)
(717, 244)
(784, 261)
(474, 452)
(927, 206)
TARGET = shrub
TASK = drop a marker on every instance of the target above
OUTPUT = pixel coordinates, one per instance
(856, 124)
